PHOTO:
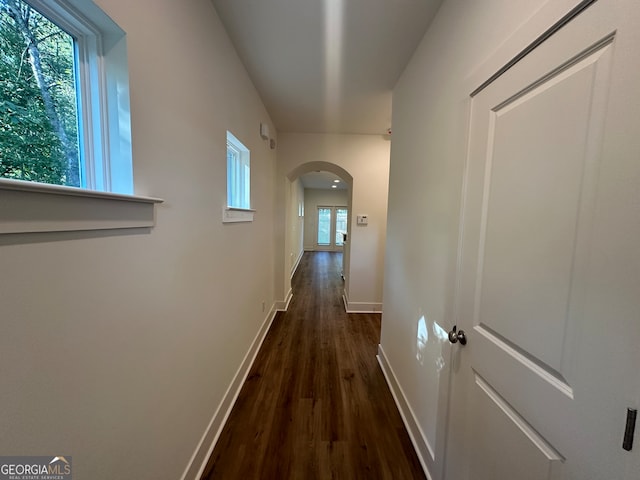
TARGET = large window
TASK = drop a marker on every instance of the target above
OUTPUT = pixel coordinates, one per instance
(238, 174)
(64, 103)
(324, 225)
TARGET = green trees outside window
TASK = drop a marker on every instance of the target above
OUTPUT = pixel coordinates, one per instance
(324, 225)
(38, 100)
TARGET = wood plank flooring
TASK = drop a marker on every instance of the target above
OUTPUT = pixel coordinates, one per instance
(315, 404)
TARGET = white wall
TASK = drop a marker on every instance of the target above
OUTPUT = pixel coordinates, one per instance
(117, 347)
(427, 158)
(295, 226)
(314, 198)
(366, 159)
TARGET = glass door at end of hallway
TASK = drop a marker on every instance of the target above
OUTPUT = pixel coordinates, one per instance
(332, 226)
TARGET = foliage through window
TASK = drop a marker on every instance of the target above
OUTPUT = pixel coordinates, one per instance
(38, 101)
(238, 174)
(332, 223)
(324, 225)
(64, 96)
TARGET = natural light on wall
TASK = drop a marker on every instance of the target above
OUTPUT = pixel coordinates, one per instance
(429, 347)
(422, 339)
(333, 43)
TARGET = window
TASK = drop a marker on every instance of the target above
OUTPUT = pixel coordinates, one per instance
(238, 174)
(332, 223)
(64, 102)
(341, 225)
(64, 121)
(324, 226)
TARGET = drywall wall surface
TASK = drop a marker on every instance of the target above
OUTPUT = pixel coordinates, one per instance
(117, 347)
(366, 159)
(296, 225)
(430, 117)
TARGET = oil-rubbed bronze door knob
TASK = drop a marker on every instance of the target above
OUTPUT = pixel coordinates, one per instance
(457, 336)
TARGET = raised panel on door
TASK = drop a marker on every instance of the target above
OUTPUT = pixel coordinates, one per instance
(533, 186)
(544, 400)
(501, 433)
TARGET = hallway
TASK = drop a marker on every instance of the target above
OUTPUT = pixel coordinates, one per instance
(315, 404)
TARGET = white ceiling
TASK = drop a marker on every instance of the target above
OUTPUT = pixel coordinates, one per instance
(323, 180)
(326, 66)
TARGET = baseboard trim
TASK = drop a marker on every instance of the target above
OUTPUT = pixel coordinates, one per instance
(295, 266)
(360, 307)
(418, 439)
(203, 451)
(283, 306)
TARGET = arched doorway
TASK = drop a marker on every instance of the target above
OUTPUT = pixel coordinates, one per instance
(297, 216)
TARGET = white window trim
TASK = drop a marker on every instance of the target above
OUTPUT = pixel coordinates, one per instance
(102, 79)
(30, 207)
(235, 214)
(333, 225)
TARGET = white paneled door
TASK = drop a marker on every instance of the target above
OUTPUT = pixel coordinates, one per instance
(549, 290)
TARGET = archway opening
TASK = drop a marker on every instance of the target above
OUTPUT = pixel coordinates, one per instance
(318, 205)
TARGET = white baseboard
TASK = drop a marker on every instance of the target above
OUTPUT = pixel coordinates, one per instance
(295, 266)
(203, 451)
(360, 307)
(283, 305)
(418, 439)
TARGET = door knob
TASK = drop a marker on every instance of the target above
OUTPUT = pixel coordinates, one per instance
(456, 336)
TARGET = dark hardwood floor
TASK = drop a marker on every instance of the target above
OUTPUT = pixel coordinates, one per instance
(315, 404)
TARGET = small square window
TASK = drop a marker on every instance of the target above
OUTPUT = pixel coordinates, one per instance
(238, 174)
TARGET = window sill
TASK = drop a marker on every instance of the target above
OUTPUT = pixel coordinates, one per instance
(28, 207)
(235, 215)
